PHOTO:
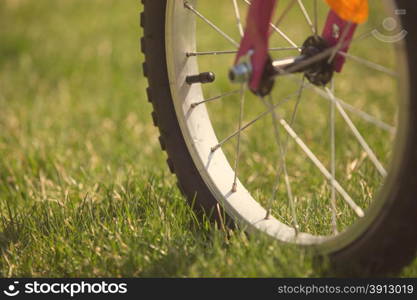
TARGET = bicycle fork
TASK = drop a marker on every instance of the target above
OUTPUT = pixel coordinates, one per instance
(320, 56)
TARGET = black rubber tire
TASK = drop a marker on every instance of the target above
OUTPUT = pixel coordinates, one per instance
(179, 160)
(386, 246)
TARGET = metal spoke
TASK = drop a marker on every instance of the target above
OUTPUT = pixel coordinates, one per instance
(359, 212)
(222, 52)
(195, 104)
(249, 124)
(357, 134)
(211, 24)
(297, 103)
(369, 64)
(327, 94)
(306, 16)
(238, 19)
(283, 164)
(242, 105)
(285, 37)
(278, 174)
(285, 13)
(333, 161)
(354, 110)
(365, 116)
(189, 54)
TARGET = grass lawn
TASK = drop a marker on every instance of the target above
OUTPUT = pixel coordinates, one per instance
(84, 188)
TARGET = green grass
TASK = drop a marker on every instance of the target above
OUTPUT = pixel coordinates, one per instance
(84, 189)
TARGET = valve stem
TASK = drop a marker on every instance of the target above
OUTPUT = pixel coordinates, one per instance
(206, 77)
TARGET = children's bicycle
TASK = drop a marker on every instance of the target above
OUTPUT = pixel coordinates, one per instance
(294, 118)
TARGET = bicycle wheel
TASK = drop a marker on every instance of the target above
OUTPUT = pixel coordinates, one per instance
(329, 168)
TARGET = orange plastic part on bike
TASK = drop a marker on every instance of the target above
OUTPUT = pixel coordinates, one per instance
(355, 11)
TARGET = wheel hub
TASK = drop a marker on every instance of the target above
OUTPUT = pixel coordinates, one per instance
(319, 73)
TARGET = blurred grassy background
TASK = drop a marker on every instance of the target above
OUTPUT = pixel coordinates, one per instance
(84, 190)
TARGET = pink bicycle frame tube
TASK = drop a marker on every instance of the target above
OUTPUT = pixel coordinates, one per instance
(256, 38)
(338, 30)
